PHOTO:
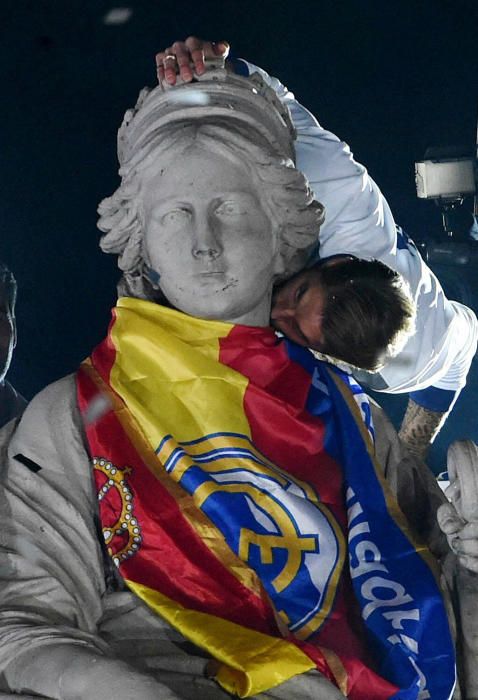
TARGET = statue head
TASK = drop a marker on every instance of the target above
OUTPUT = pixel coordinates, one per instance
(211, 210)
(8, 333)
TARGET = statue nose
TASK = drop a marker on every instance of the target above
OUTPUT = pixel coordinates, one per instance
(205, 253)
(205, 245)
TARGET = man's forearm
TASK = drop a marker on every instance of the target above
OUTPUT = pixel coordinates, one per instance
(419, 427)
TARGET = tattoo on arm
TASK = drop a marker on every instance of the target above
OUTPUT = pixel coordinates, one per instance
(419, 428)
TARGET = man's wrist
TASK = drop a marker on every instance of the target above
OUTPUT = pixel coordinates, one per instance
(237, 66)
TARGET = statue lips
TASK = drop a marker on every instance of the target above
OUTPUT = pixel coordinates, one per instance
(208, 278)
(209, 270)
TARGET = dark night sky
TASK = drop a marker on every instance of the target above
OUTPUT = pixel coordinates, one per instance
(391, 78)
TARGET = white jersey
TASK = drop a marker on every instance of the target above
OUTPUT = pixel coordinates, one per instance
(358, 221)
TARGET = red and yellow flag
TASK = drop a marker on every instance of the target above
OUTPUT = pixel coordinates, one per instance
(221, 490)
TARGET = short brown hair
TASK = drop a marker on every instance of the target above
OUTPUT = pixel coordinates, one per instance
(368, 312)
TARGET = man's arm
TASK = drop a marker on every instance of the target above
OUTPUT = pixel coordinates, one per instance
(432, 365)
(358, 219)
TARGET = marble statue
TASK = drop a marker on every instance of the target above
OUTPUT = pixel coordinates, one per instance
(210, 213)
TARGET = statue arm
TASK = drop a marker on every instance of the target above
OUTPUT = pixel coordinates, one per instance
(53, 582)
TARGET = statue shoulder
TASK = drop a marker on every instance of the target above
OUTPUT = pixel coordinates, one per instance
(48, 440)
(51, 409)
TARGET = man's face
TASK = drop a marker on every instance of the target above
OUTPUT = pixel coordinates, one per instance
(7, 334)
(298, 305)
(297, 309)
(209, 238)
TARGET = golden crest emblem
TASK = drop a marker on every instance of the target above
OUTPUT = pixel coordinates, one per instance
(121, 530)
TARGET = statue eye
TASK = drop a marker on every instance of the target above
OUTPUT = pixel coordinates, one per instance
(175, 216)
(230, 208)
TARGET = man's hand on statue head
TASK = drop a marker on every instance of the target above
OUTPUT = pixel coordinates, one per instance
(187, 57)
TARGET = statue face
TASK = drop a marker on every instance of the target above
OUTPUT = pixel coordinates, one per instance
(209, 238)
(7, 335)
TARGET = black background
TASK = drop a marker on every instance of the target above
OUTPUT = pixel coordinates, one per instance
(391, 78)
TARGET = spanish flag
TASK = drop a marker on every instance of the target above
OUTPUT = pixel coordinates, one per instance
(240, 500)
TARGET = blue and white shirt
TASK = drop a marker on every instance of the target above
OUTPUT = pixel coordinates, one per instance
(436, 359)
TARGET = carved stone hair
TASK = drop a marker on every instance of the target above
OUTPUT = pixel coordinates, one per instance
(285, 194)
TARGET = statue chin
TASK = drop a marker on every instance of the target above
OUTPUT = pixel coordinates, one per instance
(217, 309)
(213, 307)
(220, 298)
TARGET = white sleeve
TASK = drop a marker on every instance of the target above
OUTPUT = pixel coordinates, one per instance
(440, 352)
(358, 221)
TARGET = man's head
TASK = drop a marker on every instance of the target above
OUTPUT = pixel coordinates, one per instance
(209, 206)
(354, 310)
(8, 295)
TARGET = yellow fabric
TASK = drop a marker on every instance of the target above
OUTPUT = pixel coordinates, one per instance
(251, 662)
(163, 353)
(167, 372)
(158, 349)
(209, 533)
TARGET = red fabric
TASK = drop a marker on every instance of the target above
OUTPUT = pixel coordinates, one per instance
(293, 439)
(174, 560)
